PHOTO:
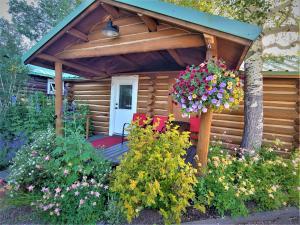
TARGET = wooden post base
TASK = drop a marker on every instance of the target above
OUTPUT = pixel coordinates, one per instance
(203, 139)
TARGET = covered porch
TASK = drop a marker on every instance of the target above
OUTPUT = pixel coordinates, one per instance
(153, 41)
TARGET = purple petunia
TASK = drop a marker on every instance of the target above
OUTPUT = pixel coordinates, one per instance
(183, 106)
(220, 95)
(214, 101)
(204, 98)
(231, 99)
(204, 109)
(222, 85)
(190, 97)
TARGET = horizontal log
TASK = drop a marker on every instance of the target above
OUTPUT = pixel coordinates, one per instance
(143, 45)
(94, 102)
(280, 81)
(92, 97)
(102, 92)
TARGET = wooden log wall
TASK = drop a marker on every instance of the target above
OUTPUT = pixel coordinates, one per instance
(281, 107)
(95, 94)
(36, 83)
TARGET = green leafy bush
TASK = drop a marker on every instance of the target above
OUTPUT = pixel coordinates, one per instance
(28, 167)
(67, 179)
(153, 173)
(266, 179)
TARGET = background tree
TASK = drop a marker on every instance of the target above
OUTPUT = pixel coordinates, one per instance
(11, 69)
(35, 19)
(274, 17)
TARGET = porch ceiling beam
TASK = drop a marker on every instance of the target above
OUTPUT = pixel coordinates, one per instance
(179, 22)
(176, 57)
(64, 30)
(111, 10)
(134, 46)
(78, 34)
(82, 68)
(150, 22)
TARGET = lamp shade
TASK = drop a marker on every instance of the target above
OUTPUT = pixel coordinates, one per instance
(110, 30)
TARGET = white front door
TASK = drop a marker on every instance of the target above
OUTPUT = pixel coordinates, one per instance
(123, 102)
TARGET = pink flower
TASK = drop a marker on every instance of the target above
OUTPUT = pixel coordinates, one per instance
(74, 186)
(226, 105)
(76, 193)
(47, 158)
(30, 188)
(56, 211)
(66, 172)
(81, 202)
(204, 109)
(45, 190)
(57, 190)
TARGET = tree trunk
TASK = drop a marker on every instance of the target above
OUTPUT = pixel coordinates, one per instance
(253, 103)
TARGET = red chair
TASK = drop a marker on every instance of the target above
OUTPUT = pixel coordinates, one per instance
(194, 127)
(140, 117)
(159, 123)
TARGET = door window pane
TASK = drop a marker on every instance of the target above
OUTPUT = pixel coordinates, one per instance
(125, 98)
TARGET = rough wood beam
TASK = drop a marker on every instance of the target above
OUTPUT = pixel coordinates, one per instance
(58, 99)
(244, 53)
(206, 118)
(68, 27)
(212, 46)
(179, 22)
(111, 10)
(150, 22)
(78, 34)
(176, 57)
(135, 46)
(51, 58)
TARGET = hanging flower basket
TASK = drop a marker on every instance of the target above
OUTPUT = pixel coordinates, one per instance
(209, 85)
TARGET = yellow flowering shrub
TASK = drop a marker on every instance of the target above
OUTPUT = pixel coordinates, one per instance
(265, 179)
(153, 173)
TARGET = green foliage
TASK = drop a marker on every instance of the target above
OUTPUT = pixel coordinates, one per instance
(12, 71)
(231, 183)
(76, 120)
(34, 20)
(251, 11)
(28, 166)
(67, 179)
(153, 173)
(114, 214)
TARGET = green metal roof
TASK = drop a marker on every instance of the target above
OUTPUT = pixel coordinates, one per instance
(43, 72)
(234, 27)
(77, 11)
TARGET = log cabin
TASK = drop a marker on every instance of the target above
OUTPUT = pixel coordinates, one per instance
(148, 43)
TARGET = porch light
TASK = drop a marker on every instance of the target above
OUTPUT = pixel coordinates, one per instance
(110, 30)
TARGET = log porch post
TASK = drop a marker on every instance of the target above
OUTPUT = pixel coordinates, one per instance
(206, 118)
(58, 99)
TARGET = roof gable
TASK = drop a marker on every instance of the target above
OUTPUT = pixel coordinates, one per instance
(230, 26)
(222, 24)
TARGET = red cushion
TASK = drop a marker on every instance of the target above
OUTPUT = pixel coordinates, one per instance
(159, 122)
(194, 124)
(141, 117)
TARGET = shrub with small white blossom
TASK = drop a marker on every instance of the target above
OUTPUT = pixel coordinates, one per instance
(264, 178)
(72, 185)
